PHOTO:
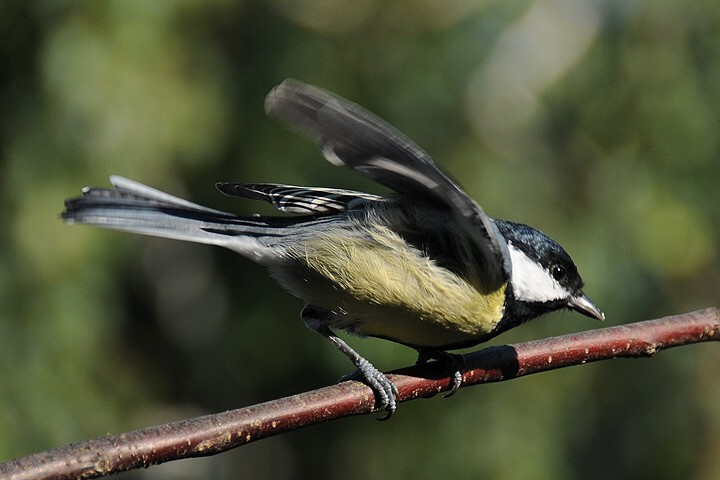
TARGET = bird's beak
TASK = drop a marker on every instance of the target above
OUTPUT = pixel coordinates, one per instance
(582, 304)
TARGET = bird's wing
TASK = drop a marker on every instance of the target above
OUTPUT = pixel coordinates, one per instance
(350, 135)
(297, 200)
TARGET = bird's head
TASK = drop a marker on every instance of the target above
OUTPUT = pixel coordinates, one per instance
(543, 278)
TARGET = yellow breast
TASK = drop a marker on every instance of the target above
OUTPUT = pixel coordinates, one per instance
(384, 287)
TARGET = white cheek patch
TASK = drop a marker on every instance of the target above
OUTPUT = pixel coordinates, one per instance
(531, 282)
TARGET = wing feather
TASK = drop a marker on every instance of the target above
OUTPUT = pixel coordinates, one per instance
(350, 135)
(297, 200)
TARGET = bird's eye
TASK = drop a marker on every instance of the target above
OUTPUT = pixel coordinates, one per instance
(558, 272)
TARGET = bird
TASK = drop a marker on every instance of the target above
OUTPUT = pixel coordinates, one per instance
(424, 266)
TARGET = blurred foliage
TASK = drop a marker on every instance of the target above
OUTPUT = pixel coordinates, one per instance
(596, 121)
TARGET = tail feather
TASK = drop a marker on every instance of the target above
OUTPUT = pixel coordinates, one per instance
(137, 208)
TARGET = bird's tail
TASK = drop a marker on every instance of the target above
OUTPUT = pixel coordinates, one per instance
(137, 208)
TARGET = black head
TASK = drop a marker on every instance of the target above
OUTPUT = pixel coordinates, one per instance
(544, 278)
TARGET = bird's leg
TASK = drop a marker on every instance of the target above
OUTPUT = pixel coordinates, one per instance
(385, 391)
(453, 360)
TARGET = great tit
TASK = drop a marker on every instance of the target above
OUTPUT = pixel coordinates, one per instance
(425, 267)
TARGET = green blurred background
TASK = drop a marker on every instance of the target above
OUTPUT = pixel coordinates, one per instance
(595, 121)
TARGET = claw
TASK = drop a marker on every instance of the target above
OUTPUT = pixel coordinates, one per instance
(456, 382)
(385, 390)
(455, 361)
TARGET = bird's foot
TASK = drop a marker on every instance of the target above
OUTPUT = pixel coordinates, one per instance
(454, 361)
(385, 391)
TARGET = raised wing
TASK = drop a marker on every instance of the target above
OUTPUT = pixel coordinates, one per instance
(297, 200)
(350, 135)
